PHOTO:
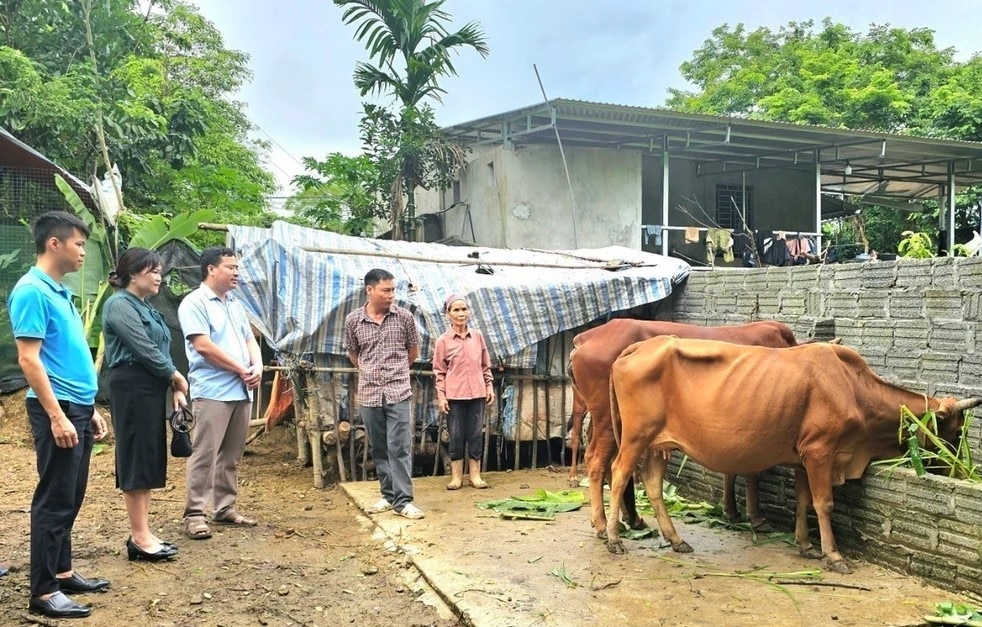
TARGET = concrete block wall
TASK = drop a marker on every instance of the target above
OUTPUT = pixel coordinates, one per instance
(917, 323)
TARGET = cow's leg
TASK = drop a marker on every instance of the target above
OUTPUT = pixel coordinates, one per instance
(630, 509)
(729, 498)
(599, 451)
(757, 520)
(820, 480)
(575, 435)
(621, 473)
(655, 467)
(803, 498)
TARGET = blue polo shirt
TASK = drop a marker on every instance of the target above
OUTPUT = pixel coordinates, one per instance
(42, 309)
(202, 312)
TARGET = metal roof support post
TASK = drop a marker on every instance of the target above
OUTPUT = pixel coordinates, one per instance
(664, 194)
(951, 209)
(818, 201)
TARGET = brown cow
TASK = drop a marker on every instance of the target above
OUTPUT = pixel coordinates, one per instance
(816, 406)
(595, 350)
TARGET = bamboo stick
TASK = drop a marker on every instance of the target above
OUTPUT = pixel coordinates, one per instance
(548, 424)
(313, 432)
(337, 441)
(470, 261)
(535, 421)
(518, 426)
(300, 411)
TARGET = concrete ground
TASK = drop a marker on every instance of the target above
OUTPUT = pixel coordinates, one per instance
(497, 572)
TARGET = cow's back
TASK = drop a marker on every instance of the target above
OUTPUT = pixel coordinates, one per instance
(600, 346)
(735, 409)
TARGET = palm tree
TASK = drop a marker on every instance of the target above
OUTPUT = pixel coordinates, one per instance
(413, 32)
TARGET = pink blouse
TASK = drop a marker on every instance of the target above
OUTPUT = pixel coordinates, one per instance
(462, 366)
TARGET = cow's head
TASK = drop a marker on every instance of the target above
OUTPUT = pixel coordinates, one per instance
(951, 416)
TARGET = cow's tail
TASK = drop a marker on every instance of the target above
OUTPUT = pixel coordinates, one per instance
(569, 368)
(615, 413)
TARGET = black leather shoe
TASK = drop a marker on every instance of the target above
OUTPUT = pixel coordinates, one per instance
(133, 552)
(78, 583)
(59, 606)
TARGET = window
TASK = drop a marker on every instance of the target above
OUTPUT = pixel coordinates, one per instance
(728, 199)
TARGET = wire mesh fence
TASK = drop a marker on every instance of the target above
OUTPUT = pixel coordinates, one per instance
(25, 194)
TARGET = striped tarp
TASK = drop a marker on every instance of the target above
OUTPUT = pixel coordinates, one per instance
(298, 284)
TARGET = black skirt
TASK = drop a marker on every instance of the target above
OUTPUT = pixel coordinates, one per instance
(138, 401)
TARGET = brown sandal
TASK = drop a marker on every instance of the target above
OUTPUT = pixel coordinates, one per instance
(196, 528)
(232, 517)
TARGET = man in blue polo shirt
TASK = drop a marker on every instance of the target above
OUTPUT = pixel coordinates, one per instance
(54, 355)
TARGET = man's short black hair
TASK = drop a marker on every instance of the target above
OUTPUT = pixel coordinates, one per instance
(376, 276)
(60, 224)
(213, 257)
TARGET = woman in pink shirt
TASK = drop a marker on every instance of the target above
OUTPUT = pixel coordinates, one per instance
(462, 367)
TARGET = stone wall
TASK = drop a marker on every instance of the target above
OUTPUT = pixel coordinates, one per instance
(917, 323)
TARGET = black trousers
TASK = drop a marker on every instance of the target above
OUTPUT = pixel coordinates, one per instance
(63, 474)
(464, 424)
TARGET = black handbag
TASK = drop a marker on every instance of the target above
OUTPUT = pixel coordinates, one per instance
(181, 423)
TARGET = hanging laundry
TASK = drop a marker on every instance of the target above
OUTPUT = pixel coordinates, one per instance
(653, 230)
(691, 235)
(720, 239)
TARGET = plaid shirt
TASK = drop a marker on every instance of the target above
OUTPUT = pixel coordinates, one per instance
(383, 354)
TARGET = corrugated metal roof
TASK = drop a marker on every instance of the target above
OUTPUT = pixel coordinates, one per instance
(851, 160)
(17, 155)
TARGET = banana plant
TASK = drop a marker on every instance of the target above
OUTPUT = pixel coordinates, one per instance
(90, 284)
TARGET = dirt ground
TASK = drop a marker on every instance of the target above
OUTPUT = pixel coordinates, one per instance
(317, 559)
(312, 560)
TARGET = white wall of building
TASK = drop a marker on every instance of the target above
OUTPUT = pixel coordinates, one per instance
(519, 198)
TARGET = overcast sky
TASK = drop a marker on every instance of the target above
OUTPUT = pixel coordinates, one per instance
(619, 51)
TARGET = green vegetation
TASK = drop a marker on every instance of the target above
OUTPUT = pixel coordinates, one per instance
(155, 81)
(412, 49)
(916, 433)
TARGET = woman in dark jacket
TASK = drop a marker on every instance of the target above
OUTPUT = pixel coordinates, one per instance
(140, 373)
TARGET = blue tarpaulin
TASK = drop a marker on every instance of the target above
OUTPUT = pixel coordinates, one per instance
(298, 284)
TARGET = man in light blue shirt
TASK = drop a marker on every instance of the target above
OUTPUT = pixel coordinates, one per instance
(53, 353)
(225, 365)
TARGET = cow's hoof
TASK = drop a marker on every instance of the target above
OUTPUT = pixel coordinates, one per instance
(812, 553)
(638, 524)
(573, 482)
(841, 566)
(615, 547)
(602, 534)
(682, 547)
(763, 527)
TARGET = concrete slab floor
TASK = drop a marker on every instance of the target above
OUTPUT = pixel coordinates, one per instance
(495, 572)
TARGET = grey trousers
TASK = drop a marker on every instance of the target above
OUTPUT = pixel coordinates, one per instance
(388, 431)
(217, 444)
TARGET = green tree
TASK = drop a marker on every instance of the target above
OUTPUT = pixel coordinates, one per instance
(888, 79)
(339, 194)
(412, 48)
(162, 81)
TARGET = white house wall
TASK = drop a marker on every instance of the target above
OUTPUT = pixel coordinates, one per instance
(519, 198)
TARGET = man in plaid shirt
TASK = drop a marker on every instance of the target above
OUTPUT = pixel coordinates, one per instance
(382, 341)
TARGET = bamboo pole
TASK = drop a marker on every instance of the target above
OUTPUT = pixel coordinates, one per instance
(548, 424)
(487, 437)
(518, 427)
(313, 431)
(300, 403)
(429, 373)
(337, 427)
(469, 261)
(535, 421)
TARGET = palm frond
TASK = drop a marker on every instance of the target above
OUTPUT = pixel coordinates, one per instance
(370, 79)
